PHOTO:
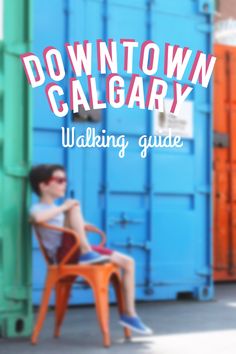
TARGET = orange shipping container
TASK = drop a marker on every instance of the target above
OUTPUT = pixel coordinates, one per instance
(225, 163)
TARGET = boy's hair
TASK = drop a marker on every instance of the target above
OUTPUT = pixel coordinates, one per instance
(42, 173)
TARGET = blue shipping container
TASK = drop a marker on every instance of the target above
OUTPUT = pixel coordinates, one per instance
(158, 209)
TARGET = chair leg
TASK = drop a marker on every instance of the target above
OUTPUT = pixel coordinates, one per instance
(118, 287)
(102, 307)
(62, 297)
(42, 310)
(59, 292)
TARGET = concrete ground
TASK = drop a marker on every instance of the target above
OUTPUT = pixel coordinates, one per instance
(181, 327)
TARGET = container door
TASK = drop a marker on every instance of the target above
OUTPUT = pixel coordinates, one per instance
(221, 168)
(149, 208)
(225, 158)
(180, 177)
(231, 83)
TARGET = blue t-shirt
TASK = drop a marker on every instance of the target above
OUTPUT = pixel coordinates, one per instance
(51, 239)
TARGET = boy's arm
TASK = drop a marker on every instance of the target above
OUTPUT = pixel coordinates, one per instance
(45, 215)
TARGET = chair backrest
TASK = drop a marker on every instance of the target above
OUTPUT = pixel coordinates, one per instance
(68, 252)
(41, 246)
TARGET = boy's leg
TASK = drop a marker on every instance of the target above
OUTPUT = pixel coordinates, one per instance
(127, 264)
(130, 319)
(75, 221)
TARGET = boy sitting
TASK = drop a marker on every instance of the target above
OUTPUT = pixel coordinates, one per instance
(49, 183)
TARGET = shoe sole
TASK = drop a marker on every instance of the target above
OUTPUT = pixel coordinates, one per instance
(101, 260)
(124, 324)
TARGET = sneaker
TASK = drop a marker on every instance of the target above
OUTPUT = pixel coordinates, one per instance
(135, 324)
(93, 257)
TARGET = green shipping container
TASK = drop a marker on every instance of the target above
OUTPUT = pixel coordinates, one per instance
(15, 160)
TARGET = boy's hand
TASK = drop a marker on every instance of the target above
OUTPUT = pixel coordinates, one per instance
(69, 203)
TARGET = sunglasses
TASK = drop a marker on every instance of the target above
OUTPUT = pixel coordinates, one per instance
(58, 180)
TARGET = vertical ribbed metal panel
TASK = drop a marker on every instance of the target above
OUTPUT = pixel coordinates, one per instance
(15, 150)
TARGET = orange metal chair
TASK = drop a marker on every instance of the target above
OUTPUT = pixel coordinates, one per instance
(61, 276)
